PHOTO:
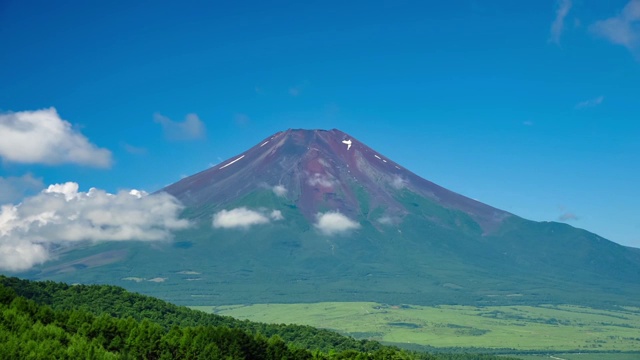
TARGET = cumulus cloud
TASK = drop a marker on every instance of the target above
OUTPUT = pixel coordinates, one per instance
(60, 215)
(279, 190)
(276, 215)
(42, 137)
(244, 218)
(320, 180)
(623, 29)
(590, 103)
(333, 223)
(192, 128)
(14, 188)
(557, 27)
(567, 217)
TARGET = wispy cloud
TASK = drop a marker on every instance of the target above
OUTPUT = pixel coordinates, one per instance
(42, 137)
(557, 26)
(61, 215)
(321, 180)
(134, 150)
(567, 217)
(244, 218)
(14, 188)
(241, 119)
(398, 182)
(279, 190)
(333, 223)
(590, 103)
(527, 123)
(192, 128)
(297, 90)
(386, 220)
(622, 29)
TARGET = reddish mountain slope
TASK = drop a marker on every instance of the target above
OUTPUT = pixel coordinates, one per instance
(318, 170)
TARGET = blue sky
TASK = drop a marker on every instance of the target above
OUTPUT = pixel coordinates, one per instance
(529, 106)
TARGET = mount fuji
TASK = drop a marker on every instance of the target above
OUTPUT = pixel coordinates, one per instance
(314, 215)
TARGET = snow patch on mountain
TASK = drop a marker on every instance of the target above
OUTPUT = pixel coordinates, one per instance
(232, 162)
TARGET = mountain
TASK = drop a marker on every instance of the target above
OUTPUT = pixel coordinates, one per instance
(321, 170)
(313, 215)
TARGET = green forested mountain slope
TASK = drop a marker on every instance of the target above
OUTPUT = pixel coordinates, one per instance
(51, 320)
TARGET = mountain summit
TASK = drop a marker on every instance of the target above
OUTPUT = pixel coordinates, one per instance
(323, 170)
(314, 215)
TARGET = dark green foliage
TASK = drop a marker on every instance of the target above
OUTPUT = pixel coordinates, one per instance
(42, 320)
(117, 302)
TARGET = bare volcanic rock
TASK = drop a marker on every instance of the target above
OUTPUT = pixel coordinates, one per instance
(321, 170)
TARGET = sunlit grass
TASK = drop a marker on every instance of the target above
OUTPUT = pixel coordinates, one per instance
(553, 328)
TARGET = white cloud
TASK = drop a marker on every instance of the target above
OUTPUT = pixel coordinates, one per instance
(623, 29)
(557, 27)
(192, 128)
(333, 222)
(42, 137)
(279, 190)
(243, 218)
(321, 180)
(14, 188)
(398, 182)
(69, 190)
(20, 256)
(276, 215)
(590, 103)
(60, 215)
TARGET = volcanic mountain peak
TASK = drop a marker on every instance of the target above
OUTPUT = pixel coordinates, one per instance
(320, 170)
(313, 215)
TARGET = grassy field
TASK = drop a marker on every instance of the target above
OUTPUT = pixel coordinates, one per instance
(580, 357)
(545, 328)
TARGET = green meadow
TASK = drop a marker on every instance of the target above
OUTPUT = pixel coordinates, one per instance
(584, 356)
(540, 328)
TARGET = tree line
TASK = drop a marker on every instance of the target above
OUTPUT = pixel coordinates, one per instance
(48, 320)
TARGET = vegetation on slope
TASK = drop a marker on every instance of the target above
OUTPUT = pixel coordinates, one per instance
(52, 320)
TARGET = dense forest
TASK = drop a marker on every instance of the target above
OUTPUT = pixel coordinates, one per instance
(53, 320)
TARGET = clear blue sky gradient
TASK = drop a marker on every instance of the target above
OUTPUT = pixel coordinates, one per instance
(473, 95)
